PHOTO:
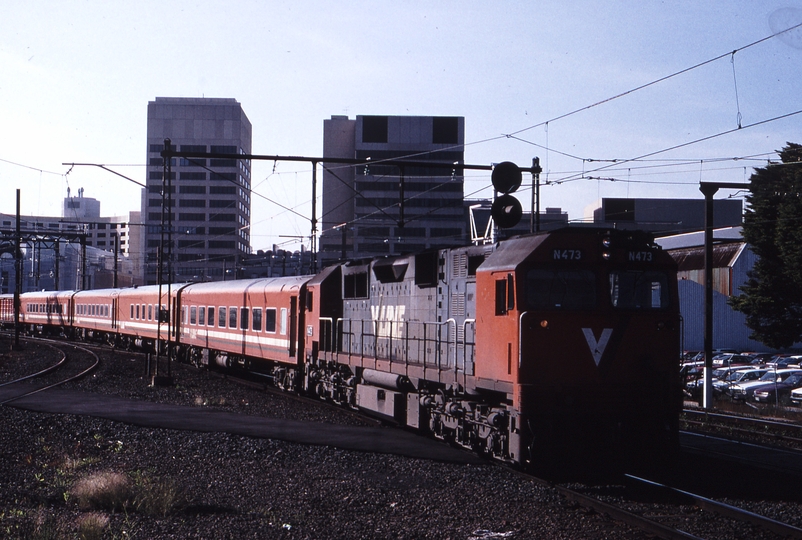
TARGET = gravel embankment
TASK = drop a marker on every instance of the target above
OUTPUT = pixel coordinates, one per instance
(81, 477)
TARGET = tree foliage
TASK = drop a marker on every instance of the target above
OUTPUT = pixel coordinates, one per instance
(772, 295)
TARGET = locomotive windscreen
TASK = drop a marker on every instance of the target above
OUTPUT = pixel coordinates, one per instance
(631, 289)
(561, 289)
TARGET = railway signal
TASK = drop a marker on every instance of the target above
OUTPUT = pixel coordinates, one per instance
(506, 210)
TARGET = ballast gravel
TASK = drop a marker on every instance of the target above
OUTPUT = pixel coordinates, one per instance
(65, 476)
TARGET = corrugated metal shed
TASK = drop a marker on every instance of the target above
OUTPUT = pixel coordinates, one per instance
(732, 260)
(691, 262)
(729, 326)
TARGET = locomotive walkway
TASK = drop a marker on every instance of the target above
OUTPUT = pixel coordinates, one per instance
(161, 415)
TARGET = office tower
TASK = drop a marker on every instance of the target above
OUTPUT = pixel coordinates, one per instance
(211, 198)
(385, 209)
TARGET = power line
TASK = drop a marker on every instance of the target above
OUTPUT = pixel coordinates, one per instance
(654, 82)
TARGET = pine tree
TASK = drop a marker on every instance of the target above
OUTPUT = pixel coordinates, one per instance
(772, 295)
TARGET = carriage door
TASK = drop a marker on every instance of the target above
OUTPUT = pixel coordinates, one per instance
(114, 312)
(293, 324)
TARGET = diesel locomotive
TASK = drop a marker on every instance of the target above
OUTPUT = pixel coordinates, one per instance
(537, 349)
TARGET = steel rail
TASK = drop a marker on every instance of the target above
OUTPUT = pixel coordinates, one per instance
(639, 522)
(726, 510)
(64, 381)
(44, 371)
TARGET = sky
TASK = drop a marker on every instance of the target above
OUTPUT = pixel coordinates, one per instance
(617, 99)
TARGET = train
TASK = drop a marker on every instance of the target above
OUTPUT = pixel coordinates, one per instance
(531, 350)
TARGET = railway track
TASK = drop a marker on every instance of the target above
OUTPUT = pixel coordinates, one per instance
(55, 374)
(745, 428)
(670, 513)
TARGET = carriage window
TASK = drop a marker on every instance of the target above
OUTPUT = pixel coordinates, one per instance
(283, 321)
(132, 311)
(201, 316)
(183, 314)
(193, 315)
(232, 317)
(632, 289)
(211, 316)
(257, 319)
(561, 289)
(143, 312)
(243, 318)
(221, 321)
(150, 312)
(270, 320)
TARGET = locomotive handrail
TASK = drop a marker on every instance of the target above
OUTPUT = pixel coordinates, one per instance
(465, 324)
(521, 337)
(345, 327)
(448, 341)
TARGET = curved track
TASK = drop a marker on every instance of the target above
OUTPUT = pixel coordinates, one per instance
(61, 364)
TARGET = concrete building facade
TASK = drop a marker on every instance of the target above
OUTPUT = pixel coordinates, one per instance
(668, 216)
(211, 198)
(363, 214)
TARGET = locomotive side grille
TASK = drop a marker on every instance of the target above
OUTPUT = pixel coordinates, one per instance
(457, 305)
(459, 265)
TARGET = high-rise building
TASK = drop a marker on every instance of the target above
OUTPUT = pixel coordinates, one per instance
(211, 198)
(382, 208)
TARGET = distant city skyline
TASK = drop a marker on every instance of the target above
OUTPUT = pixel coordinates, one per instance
(78, 77)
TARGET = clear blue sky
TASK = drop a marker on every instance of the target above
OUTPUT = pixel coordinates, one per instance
(77, 77)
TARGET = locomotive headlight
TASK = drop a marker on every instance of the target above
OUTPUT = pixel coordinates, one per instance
(544, 323)
(606, 242)
(606, 255)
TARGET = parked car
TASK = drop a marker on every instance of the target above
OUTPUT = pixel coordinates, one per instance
(778, 392)
(796, 396)
(761, 358)
(745, 391)
(729, 359)
(736, 376)
(784, 361)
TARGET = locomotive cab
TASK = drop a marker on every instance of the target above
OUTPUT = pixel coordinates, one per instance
(585, 327)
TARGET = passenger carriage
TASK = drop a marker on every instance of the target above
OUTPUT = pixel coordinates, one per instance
(247, 323)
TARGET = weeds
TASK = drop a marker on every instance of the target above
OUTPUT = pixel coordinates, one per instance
(92, 526)
(103, 491)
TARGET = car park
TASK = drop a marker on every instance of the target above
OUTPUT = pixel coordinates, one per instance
(745, 391)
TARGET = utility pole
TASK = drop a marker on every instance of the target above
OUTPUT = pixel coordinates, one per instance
(534, 218)
(18, 274)
(709, 189)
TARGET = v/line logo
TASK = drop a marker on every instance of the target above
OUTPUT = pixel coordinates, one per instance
(597, 347)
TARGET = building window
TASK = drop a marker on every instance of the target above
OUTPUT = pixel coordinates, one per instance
(193, 203)
(445, 130)
(222, 203)
(374, 129)
(223, 217)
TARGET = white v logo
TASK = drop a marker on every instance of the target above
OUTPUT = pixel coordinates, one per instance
(597, 347)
